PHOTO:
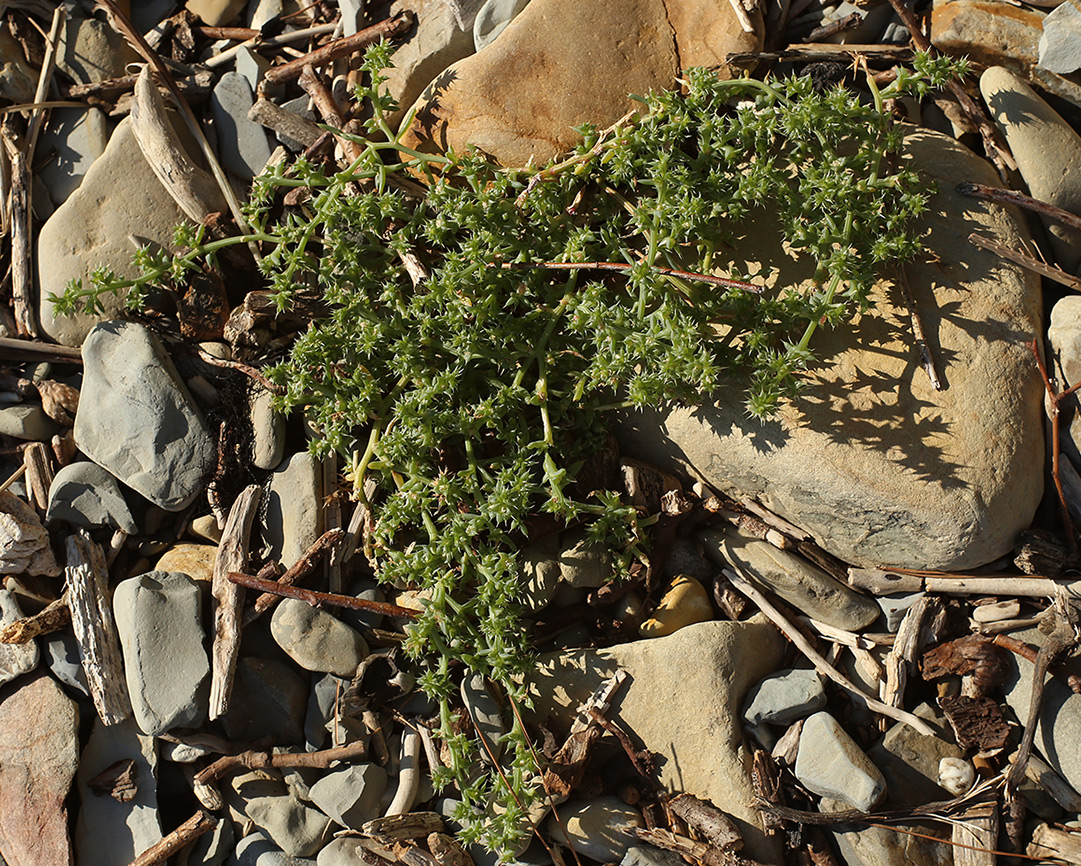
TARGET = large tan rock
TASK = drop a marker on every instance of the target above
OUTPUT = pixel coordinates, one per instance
(561, 63)
(682, 701)
(877, 465)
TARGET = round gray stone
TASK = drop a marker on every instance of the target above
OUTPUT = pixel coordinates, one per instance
(316, 640)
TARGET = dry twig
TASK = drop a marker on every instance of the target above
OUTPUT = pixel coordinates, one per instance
(193, 828)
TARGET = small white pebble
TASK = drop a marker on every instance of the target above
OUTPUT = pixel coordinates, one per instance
(956, 775)
(997, 612)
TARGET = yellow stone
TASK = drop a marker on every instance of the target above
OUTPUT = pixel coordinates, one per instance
(194, 560)
(684, 602)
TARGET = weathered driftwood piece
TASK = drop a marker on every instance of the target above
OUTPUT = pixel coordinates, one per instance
(399, 828)
(55, 616)
(284, 122)
(901, 660)
(698, 851)
(821, 665)
(1051, 843)
(193, 189)
(339, 48)
(408, 774)
(718, 828)
(881, 581)
(59, 400)
(229, 598)
(1040, 772)
(193, 828)
(411, 854)
(447, 851)
(312, 84)
(39, 473)
(22, 278)
(867, 640)
(94, 627)
(974, 836)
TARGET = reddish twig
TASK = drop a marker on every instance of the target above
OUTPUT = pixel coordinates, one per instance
(1029, 652)
(318, 599)
(257, 760)
(1027, 261)
(620, 266)
(250, 372)
(300, 569)
(1055, 399)
(1008, 196)
(340, 48)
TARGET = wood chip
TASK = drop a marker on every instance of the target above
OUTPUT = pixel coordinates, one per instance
(55, 616)
(977, 722)
(716, 826)
(117, 781)
(94, 627)
(399, 828)
(229, 597)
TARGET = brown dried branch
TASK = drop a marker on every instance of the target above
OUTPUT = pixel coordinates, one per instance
(339, 48)
(247, 370)
(300, 569)
(1055, 398)
(1026, 261)
(318, 599)
(193, 828)
(1019, 199)
(55, 616)
(718, 828)
(926, 358)
(1030, 652)
(262, 760)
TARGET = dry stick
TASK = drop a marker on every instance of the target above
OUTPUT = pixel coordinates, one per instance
(992, 140)
(122, 24)
(917, 329)
(250, 372)
(340, 48)
(900, 661)
(229, 598)
(313, 84)
(838, 25)
(286, 123)
(22, 281)
(193, 828)
(15, 349)
(823, 667)
(1058, 641)
(262, 760)
(95, 629)
(826, 51)
(1033, 264)
(1008, 196)
(881, 581)
(620, 266)
(271, 42)
(300, 569)
(37, 120)
(1055, 398)
(54, 617)
(318, 599)
(1029, 653)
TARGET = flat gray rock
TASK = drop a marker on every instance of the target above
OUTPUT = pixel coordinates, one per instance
(316, 640)
(805, 586)
(119, 197)
(161, 636)
(77, 136)
(27, 421)
(351, 795)
(136, 418)
(86, 495)
(298, 829)
(485, 712)
(294, 508)
(15, 659)
(785, 696)
(873, 462)
(830, 764)
(91, 50)
(131, 826)
(242, 142)
(269, 700)
(255, 849)
(65, 662)
(709, 761)
(493, 18)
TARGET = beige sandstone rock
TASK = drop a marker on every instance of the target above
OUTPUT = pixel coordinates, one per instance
(561, 63)
(877, 465)
(683, 701)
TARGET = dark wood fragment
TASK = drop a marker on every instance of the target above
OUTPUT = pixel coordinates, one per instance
(977, 722)
(118, 781)
(974, 654)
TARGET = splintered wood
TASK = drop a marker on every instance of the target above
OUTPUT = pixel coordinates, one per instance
(229, 597)
(94, 627)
